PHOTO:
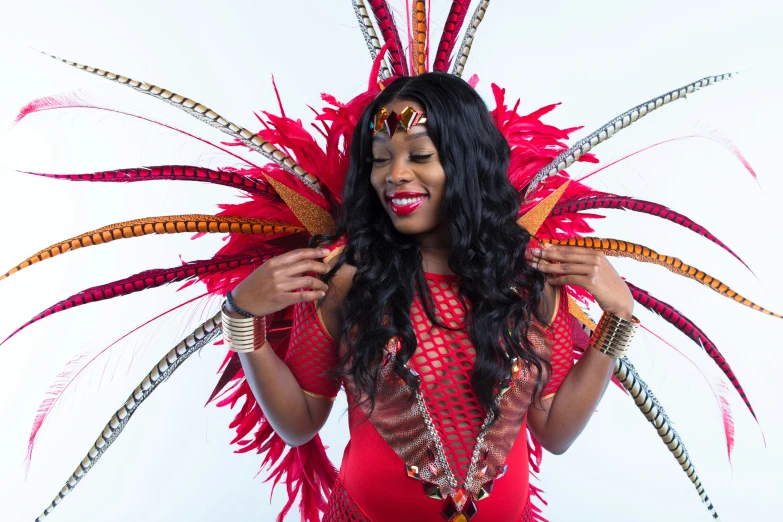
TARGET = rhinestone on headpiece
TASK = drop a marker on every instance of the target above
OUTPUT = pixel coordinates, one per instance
(391, 122)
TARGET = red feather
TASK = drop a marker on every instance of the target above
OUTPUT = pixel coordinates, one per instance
(247, 180)
(602, 200)
(457, 13)
(151, 279)
(686, 326)
(69, 375)
(385, 19)
(719, 390)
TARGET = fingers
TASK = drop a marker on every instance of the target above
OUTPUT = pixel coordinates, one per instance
(567, 269)
(304, 266)
(304, 296)
(565, 254)
(309, 282)
(298, 255)
(571, 279)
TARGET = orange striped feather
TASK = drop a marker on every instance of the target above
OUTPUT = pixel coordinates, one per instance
(193, 223)
(618, 248)
(419, 25)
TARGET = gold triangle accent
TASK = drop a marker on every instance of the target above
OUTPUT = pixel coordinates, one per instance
(535, 217)
(315, 219)
(580, 315)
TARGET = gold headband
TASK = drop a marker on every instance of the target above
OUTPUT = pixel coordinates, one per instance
(393, 122)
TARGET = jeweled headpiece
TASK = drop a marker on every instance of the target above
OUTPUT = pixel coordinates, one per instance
(392, 122)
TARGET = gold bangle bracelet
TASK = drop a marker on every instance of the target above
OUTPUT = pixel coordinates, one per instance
(613, 335)
(243, 335)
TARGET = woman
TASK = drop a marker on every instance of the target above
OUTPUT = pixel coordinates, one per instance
(434, 302)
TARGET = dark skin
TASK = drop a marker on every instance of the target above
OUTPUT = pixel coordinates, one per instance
(409, 163)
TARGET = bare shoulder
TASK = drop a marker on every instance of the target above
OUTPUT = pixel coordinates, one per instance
(331, 306)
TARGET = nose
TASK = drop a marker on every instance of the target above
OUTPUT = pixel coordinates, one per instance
(399, 172)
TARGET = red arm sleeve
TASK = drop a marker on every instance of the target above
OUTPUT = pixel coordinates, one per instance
(312, 354)
(562, 354)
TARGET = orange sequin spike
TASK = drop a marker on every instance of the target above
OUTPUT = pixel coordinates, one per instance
(313, 217)
(419, 36)
(618, 248)
(193, 223)
(535, 217)
(580, 315)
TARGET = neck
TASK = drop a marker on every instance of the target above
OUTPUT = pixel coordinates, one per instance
(435, 248)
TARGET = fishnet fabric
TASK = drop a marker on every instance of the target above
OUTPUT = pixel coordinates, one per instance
(342, 508)
(562, 355)
(444, 359)
(312, 353)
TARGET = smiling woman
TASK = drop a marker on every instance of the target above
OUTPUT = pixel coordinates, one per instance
(428, 257)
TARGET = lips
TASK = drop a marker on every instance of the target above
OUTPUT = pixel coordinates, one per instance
(405, 203)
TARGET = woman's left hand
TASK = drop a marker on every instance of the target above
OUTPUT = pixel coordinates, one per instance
(589, 269)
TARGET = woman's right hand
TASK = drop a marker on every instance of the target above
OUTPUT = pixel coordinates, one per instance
(272, 286)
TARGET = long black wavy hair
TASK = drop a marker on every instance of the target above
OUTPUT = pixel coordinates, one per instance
(480, 208)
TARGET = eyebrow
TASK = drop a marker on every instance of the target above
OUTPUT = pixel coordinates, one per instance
(409, 137)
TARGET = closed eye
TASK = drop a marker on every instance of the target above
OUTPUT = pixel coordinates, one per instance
(421, 157)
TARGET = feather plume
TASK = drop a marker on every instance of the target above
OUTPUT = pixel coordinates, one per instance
(201, 337)
(652, 410)
(73, 369)
(188, 223)
(418, 45)
(566, 158)
(457, 13)
(467, 40)
(386, 24)
(370, 36)
(71, 101)
(244, 179)
(671, 315)
(719, 390)
(153, 279)
(208, 116)
(602, 200)
(618, 248)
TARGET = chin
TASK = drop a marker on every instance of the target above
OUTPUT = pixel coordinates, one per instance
(412, 227)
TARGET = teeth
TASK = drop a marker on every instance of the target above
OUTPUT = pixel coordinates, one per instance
(407, 201)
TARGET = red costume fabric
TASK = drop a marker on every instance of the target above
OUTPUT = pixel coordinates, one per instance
(373, 484)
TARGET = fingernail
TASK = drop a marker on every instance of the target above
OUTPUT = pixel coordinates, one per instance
(323, 251)
(323, 294)
(535, 251)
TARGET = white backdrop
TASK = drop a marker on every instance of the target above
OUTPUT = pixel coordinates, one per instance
(174, 462)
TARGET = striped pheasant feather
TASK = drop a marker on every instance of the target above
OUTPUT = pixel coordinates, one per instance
(686, 326)
(457, 13)
(193, 223)
(201, 337)
(419, 37)
(152, 279)
(385, 19)
(652, 410)
(618, 248)
(228, 178)
(591, 201)
(370, 36)
(207, 115)
(467, 41)
(567, 157)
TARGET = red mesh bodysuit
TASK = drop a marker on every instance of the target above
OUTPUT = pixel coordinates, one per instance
(373, 483)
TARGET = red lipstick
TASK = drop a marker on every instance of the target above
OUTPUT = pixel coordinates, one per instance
(405, 203)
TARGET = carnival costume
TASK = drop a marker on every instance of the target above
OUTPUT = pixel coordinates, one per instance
(431, 442)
